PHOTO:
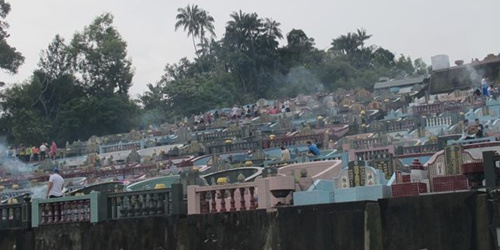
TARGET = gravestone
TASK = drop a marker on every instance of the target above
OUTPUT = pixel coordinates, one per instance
(453, 159)
(357, 173)
(383, 162)
(133, 157)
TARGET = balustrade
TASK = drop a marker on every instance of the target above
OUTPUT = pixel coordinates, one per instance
(11, 216)
(292, 140)
(426, 109)
(139, 204)
(430, 148)
(472, 141)
(368, 143)
(121, 147)
(369, 155)
(438, 121)
(233, 146)
(226, 198)
(62, 210)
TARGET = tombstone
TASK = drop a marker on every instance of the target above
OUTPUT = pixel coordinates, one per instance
(93, 144)
(453, 159)
(133, 157)
(306, 130)
(259, 154)
(183, 134)
(261, 102)
(285, 123)
(357, 175)
(134, 135)
(383, 162)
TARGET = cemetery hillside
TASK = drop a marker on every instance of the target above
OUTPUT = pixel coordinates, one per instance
(260, 141)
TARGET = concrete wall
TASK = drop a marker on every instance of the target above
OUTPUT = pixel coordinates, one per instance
(445, 221)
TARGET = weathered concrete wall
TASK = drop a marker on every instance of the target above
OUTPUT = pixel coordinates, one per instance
(463, 77)
(443, 221)
(447, 221)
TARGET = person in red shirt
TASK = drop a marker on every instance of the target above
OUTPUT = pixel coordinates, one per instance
(273, 111)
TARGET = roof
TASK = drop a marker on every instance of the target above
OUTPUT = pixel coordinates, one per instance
(399, 83)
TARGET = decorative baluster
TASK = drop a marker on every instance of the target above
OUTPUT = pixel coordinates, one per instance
(69, 212)
(87, 210)
(223, 200)
(43, 216)
(231, 193)
(63, 212)
(242, 201)
(80, 210)
(18, 215)
(204, 203)
(154, 203)
(74, 211)
(147, 205)
(50, 214)
(3, 214)
(57, 208)
(252, 199)
(161, 202)
(125, 206)
(214, 202)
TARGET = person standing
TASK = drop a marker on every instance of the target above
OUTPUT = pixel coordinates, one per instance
(56, 183)
(43, 151)
(22, 152)
(285, 154)
(53, 150)
(484, 86)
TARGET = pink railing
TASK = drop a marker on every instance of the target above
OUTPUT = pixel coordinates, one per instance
(237, 196)
(223, 198)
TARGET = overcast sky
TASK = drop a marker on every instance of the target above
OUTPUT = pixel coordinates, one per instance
(462, 29)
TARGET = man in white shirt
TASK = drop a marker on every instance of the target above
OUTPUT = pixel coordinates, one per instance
(55, 185)
(43, 151)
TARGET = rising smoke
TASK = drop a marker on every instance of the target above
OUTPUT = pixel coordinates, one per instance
(300, 81)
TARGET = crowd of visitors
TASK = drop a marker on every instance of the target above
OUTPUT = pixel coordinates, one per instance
(33, 153)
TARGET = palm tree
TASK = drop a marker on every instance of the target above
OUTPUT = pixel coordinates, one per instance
(206, 24)
(243, 29)
(272, 28)
(196, 22)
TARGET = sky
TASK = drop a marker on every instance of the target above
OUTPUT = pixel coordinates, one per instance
(461, 29)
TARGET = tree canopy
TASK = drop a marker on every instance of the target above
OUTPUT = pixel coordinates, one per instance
(10, 58)
(80, 87)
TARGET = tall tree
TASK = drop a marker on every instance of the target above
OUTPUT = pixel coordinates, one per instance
(10, 58)
(197, 22)
(100, 57)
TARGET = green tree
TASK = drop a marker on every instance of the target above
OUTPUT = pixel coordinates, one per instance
(197, 22)
(100, 57)
(10, 58)
(87, 116)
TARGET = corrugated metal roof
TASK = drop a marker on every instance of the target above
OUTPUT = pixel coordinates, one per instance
(398, 83)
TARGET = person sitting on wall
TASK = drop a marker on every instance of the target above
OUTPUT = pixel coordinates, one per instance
(468, 132)
(480, 129)
(55, 185)
(285, 154)
(313, 150)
